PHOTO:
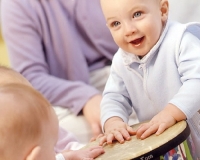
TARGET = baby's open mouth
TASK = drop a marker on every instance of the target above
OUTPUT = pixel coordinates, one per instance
(138, 41)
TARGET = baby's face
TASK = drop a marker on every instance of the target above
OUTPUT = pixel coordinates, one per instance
(135, 25)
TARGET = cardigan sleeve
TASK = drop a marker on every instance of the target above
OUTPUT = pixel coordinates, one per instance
(189, 69)
(23, 35)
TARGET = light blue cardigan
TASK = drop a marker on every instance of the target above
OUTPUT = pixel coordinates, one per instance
(169, 73)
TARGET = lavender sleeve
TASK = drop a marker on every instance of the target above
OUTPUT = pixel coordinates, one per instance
(66, 141)
(34, 51)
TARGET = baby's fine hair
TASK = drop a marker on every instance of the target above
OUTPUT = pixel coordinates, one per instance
(8, 75)
(23, 111)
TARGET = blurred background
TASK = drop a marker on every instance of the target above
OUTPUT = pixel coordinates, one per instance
(3, 52)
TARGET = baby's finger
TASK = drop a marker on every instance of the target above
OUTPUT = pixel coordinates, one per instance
(151, 130)
(161, 128)
(118, 136)
(95, 147)
(96, 152)
(142, 129)
(110, 138)
(125, 135)
(102, 140)
(130, 130)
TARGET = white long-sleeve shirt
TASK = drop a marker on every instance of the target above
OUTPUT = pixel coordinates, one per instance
(169, 73)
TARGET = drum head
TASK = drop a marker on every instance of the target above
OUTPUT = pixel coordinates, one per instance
(149, 148)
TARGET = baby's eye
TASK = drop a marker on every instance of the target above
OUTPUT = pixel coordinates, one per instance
(137, 14)
(115, 24)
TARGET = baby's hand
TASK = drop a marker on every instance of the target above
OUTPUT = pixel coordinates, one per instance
(116, 129)
(160, 122)
(85, 154)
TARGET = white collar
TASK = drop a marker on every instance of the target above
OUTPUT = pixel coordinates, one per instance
(129, 58)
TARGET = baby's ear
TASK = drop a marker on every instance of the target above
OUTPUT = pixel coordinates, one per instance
(164, 10)
(35, 154)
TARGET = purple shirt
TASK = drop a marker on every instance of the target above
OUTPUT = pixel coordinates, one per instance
(55, 44)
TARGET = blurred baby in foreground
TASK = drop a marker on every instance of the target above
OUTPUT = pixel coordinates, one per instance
(29, 128)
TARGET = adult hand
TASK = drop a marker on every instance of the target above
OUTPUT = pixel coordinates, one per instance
(116, 129)
(160, 122)
(91, 111)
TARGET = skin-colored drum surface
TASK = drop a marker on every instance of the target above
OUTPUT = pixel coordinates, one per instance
(146, 149)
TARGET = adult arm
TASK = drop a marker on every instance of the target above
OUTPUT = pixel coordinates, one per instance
(24, 37)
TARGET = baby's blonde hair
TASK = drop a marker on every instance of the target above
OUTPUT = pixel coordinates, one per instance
(23, 111)
(8, 75)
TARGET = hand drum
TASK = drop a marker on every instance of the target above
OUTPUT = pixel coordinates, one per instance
(149, 148)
